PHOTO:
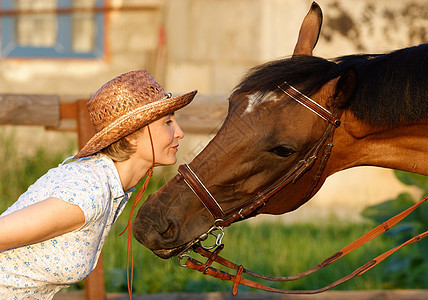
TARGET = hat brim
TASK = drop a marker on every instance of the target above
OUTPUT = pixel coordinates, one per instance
(132, 121)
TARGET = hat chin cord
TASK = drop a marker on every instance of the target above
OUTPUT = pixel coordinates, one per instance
(130, 277)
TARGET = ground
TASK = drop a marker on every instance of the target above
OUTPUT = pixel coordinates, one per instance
(330, 295)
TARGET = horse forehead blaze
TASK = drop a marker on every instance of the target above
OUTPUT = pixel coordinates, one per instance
(257, 98)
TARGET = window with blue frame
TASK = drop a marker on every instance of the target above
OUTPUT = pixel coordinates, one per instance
(52, 28)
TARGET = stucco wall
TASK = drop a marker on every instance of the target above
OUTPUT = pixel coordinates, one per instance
(212, 43)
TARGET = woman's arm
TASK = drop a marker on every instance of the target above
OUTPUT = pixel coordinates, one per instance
(39, 222)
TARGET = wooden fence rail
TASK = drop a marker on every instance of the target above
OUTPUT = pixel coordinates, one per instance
(29, 109)
(203, 115)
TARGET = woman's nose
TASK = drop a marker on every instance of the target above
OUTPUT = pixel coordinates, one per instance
(178, 132)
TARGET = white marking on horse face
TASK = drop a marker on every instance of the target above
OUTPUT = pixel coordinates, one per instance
(256, 99)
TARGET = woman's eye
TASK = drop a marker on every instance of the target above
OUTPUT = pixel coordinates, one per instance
(282, 151)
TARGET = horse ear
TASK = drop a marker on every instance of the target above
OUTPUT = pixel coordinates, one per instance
(309, 31)
(345, 87)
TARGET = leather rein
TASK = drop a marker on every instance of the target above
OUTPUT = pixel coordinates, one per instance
(223, 219)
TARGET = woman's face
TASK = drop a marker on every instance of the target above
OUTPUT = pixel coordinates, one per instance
(165, 134)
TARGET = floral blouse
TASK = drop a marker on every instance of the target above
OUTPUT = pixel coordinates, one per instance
(40, 270)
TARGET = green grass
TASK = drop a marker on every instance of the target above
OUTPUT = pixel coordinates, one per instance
(269, 248)
(18, 171)
(273, 249)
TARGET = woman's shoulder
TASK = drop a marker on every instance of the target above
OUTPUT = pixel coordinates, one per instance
(93, 167)
(87, 182)
(94, 174)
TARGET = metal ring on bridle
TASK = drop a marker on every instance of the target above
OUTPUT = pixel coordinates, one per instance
(218, 237)
(182, 256)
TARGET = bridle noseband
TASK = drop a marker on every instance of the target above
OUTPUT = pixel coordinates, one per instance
(196, 185)
(222, 218)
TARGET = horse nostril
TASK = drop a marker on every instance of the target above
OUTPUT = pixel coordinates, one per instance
(169, 233)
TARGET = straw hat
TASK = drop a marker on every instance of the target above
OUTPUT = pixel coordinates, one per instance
(125, 104)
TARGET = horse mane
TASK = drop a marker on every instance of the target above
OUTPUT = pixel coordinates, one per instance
(392, 88)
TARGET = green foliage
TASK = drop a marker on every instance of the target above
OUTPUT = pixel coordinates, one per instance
(408, 267)
(19, 171)
(418, 180)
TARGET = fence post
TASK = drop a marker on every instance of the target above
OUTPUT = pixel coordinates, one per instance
(94, 284)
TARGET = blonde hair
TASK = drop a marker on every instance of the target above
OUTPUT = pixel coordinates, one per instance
(122, 149)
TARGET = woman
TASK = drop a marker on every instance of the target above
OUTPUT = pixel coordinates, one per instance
(52, 236)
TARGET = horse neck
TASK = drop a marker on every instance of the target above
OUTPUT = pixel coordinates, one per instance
(401, 148)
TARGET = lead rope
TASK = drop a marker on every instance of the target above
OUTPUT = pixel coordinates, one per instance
(206, 268)
(129, 279)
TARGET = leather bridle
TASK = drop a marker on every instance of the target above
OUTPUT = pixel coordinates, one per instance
(222, 218)
(225, 218)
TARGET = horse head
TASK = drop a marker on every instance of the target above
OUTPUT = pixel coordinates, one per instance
(272, 153)
(265, 134)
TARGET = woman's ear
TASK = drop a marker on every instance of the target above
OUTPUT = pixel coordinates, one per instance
(132, 140)
(133, 137)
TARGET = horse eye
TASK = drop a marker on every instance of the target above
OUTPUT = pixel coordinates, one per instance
(282, 151)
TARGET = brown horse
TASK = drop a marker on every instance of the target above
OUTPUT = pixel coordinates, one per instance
(276, 147)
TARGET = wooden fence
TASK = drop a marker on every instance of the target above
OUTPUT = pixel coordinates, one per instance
(201, 116)
(51, 111)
